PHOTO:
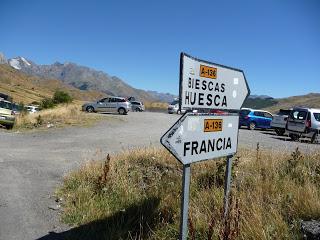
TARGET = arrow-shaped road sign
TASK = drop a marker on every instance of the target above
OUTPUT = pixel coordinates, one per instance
(211, 86)
(196, 137)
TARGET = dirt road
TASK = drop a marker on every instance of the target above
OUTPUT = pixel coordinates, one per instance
(33, 164)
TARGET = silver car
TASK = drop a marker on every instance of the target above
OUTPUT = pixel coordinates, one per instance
(137, 106)
(109, 104)
(174, 108)
(304, 122)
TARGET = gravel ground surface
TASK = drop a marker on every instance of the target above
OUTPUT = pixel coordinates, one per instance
(32, 164)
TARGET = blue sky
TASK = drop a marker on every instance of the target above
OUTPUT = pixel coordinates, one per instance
(276, 43)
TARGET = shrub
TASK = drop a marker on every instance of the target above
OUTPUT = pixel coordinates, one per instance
(35, 103)
(47, 103)
(61, 97)
(39, 121)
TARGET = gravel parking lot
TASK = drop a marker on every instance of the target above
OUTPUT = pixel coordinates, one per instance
(33, 164)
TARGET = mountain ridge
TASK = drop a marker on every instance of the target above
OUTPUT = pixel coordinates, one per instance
(24, 88)
(85, 78)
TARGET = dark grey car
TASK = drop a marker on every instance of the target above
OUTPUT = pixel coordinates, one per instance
(109, 104)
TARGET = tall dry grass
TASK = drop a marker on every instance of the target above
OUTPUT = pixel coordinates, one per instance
(136, 195)
(62, 115)
(156, 106)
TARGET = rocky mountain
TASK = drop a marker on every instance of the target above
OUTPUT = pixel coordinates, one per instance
(260, 97)
(162, 97)
(84, 78)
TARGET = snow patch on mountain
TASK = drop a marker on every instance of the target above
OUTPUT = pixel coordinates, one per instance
(15, 63)
(25, 61)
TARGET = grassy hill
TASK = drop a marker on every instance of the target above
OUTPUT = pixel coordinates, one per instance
(27, 89)
(259, 103)
(309, 100)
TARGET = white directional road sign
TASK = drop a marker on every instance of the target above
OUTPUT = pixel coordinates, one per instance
(209, 85)
(196, 137)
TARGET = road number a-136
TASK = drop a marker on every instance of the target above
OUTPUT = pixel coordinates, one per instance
(208, 72)
(212, 125)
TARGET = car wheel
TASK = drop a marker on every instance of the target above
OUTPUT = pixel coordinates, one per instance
(178, 112)
(294, 137)
(122, 111)
(315, 138)
(280, 131)
(252, 126)
(90, 109)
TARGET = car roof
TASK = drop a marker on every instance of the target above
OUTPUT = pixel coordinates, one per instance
(115, 97)
(307, 109)
(2, 100)
(258, 110)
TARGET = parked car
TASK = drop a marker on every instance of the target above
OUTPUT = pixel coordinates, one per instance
(109, 104)
(32, 109)
(137, 106)
(253, 119)
(279, 121)
(174, 108)
(7, 117)
(304, 122)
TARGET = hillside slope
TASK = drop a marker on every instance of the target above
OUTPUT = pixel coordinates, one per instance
(309, 100)
(26, 89)
(81, 77)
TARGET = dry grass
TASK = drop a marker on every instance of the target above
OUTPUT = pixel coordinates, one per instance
(156, 106)
(136, 195)
(62, 115)
(26, 89)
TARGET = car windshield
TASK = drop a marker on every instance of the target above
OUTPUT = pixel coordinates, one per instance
(284, 112)
(103, 100)
(244, 112)
(317, 116)
(174, 102)
(299, 115)
(6, 105)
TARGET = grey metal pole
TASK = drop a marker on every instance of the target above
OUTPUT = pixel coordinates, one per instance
(227, 185)
(185, 202)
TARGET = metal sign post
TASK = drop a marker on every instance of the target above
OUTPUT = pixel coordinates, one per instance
(227, 185)
(185, 202)
(201, 136)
